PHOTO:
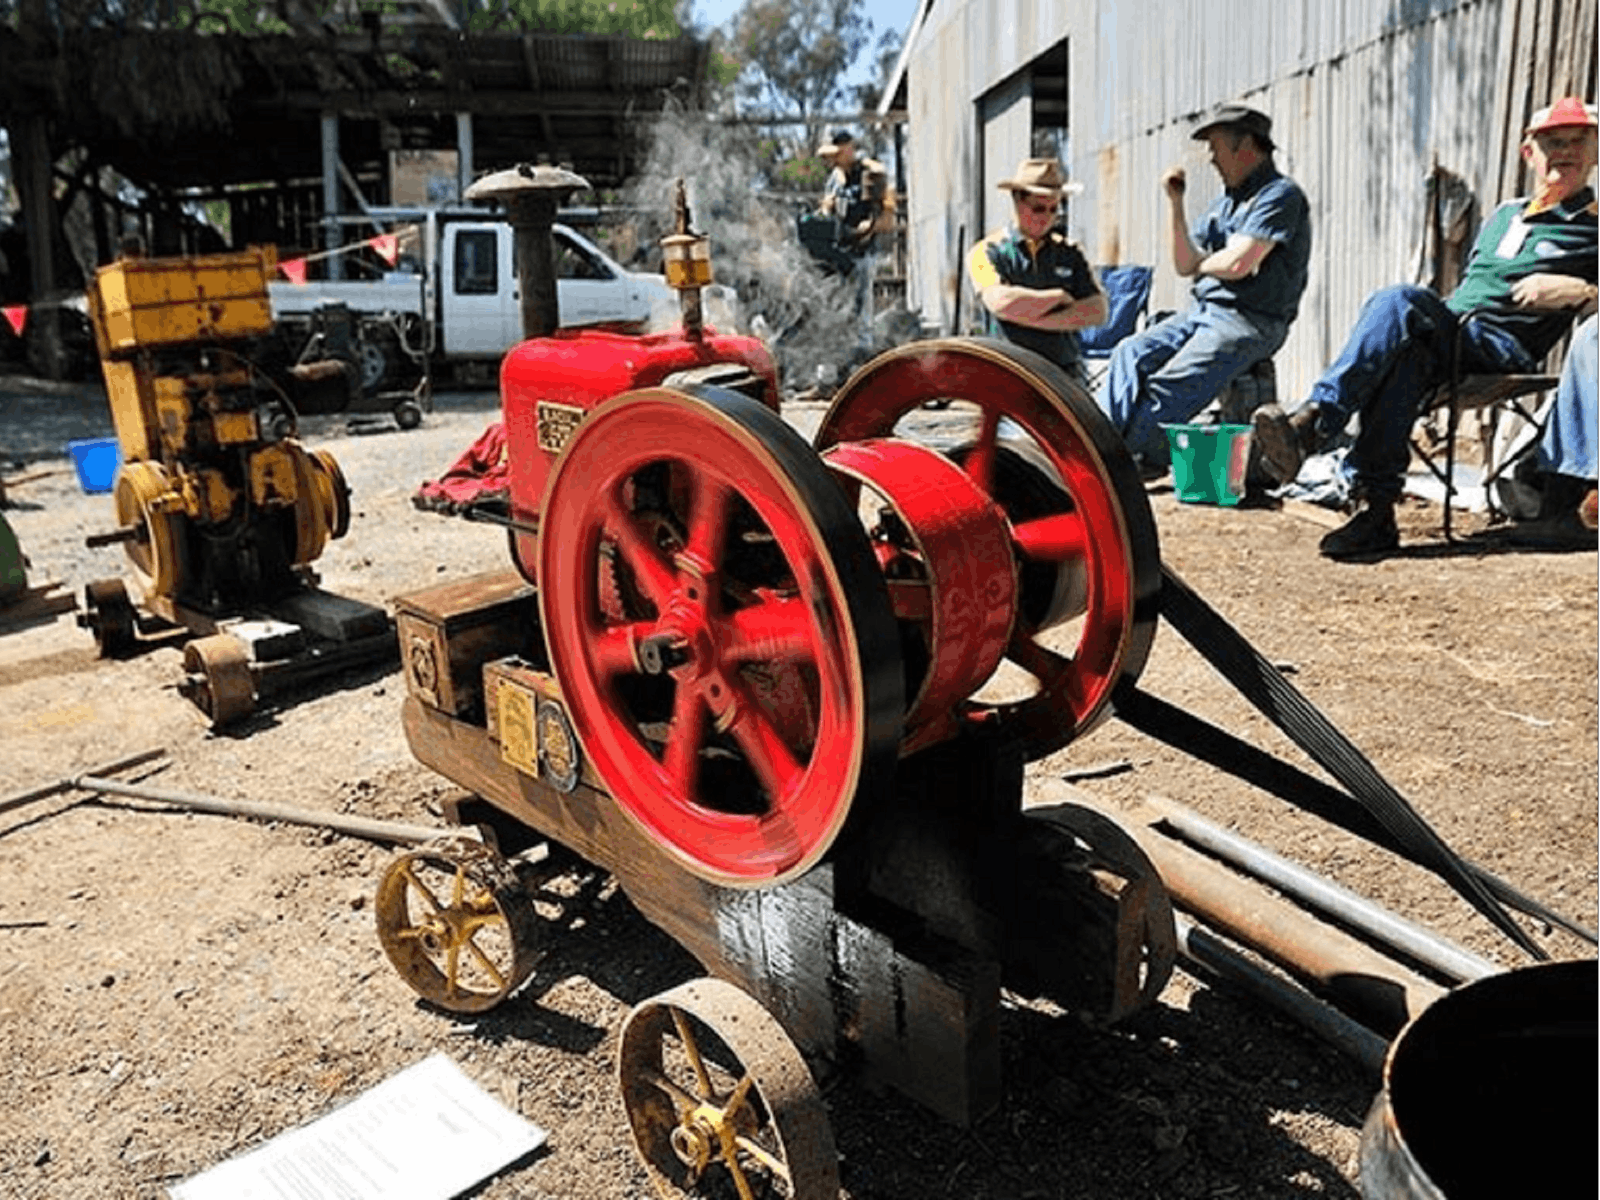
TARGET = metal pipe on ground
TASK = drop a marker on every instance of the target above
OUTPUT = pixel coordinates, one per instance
(1452, 962)
(371, 829)
(1202, 950)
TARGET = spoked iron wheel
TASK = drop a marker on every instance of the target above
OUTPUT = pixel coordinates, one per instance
(720, 1102)
(720, 629)
(1102, 527)
(457, 924)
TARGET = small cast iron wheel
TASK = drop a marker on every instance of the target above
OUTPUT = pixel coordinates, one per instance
(408, 414)
(109, 614)
(457, 924)
(719, 1100)
(720, 629)
(141, 494)
(1107, 528)
(220, 682)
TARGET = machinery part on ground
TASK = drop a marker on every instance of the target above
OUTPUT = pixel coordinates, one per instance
(219, 679)
(109, 615)
(408, 414)
(755, 691)
(1107, 532)
(1087, 842)
(457, 924)
(1490, 1092)
(13, 563)
(143, 498)
(718, 1097)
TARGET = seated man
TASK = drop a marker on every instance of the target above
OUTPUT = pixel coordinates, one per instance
(1036, 284)
(1248, 256)
(1565, 457)
(1535, 254)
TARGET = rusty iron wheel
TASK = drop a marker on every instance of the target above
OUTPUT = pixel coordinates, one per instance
(109, 614)
(219, 680)
(720, 1102)
(457, 924)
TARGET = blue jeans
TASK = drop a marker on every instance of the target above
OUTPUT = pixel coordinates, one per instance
(1168, 373)
(1568, 444)
(1397, 354)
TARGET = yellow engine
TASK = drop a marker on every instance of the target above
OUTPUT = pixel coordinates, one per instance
(217, 501)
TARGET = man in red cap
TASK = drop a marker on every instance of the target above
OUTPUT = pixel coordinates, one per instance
(1532, 268)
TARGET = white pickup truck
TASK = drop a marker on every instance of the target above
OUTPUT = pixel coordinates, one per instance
(455, 303)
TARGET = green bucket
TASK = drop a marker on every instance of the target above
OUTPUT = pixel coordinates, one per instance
(1208, 462)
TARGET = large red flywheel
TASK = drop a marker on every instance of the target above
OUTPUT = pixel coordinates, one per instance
(1082, 533)
(720, 630)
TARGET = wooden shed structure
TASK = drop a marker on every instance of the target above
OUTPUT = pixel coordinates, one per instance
(1366, 96)
(292, 130)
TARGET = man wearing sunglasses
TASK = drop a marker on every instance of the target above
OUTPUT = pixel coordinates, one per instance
(1247, 256)
(1036, 285)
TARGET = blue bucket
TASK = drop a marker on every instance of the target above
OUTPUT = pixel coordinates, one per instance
(96, 460)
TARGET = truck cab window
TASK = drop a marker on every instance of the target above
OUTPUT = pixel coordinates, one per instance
(573, 263)
(477, 263)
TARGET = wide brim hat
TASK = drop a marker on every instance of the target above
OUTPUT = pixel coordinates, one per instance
(1569, 112)
(1235, 116)
(1040, 177)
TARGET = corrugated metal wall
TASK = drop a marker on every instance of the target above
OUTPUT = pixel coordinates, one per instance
(1365, 96)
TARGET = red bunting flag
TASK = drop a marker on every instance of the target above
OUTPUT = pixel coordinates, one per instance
(16, 317)
(387, 247)
(294, 269)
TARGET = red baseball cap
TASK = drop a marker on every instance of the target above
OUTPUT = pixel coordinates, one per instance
(1566, 113)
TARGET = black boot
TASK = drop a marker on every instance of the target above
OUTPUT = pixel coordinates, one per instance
(1372, 531)
(1559, 525)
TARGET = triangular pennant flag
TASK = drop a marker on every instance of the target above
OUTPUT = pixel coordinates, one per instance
(16, 317)
(387, 246)
(294, 269)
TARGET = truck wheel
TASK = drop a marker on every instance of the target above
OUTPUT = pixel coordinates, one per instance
(379, 359)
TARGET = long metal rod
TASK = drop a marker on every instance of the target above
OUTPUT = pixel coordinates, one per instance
(362, 827)
(1204, 949)
(1455, 963)
(18, 799)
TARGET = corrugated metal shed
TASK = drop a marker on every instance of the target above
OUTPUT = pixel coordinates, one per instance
(1365, 95)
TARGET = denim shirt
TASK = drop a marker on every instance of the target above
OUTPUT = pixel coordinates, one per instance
(1268, 206)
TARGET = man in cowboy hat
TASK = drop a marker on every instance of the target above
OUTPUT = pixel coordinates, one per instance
(858, 197)
(1035, 284)
(1533, 266)
(1247, 256)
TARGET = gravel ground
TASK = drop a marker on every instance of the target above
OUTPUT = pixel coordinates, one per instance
(179, 988)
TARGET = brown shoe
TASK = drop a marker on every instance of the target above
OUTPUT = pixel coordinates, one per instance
(1284, 442)
(1564, 531)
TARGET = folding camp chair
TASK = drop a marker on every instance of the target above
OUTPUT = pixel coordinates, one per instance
(1128, 297)
(1488, 395)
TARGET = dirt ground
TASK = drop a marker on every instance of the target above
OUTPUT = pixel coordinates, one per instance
(177, 988)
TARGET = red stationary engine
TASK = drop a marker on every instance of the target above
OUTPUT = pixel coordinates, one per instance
(749, 631)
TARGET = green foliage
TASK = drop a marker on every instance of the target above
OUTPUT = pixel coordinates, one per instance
(796, 52)
(651, 19)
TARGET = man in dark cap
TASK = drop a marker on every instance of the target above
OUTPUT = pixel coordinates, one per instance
(1532, 268)
(1248, 256)
(857, 196)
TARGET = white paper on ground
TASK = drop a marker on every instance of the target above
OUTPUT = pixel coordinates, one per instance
(428, 1133)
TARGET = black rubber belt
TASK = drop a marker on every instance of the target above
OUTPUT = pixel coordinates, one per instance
(1372, 808)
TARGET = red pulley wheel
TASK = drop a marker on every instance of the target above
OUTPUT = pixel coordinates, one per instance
(993, 395)
(721, 633)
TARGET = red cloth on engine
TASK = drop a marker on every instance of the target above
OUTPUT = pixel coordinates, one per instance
(480, 477)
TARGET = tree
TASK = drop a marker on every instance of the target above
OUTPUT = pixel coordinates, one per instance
(796, 52)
